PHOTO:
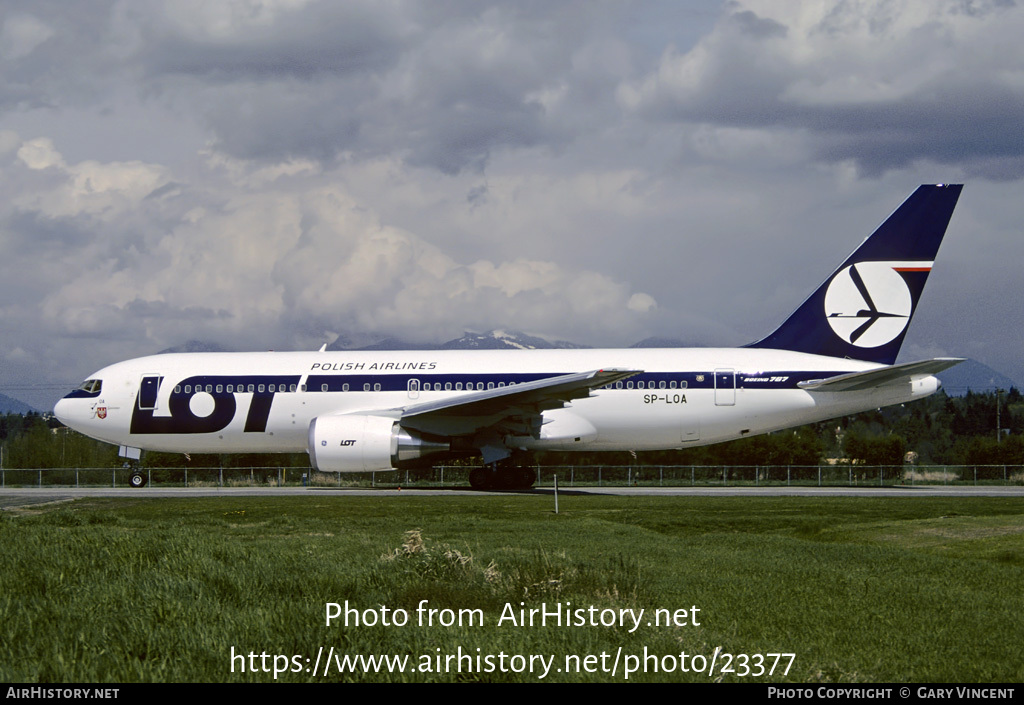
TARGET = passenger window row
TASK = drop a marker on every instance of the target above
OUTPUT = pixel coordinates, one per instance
(94, 385)
(238, 388)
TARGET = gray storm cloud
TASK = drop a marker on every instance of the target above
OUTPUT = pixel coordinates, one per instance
(269, 174)
(879, 83)
(268, 250)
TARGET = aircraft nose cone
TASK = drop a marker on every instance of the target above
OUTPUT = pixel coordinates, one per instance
(62, 410)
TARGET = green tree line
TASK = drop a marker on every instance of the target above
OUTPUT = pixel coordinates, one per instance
(940, 430)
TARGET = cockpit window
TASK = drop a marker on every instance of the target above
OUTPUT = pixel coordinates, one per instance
(92, 386)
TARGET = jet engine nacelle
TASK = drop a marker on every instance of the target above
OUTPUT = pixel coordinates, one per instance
(364, 443)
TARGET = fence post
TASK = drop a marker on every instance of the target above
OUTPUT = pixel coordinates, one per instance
(819, 476)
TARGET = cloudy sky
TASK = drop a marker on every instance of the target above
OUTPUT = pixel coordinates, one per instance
(275, 173)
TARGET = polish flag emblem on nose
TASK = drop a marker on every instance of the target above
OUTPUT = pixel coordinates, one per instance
(101, 412)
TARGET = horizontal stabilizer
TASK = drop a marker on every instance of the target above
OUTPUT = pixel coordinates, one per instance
(880, 377)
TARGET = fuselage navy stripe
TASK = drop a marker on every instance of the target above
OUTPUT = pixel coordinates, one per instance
(649, 380)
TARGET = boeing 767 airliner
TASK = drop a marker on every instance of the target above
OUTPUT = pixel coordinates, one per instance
(365, 411)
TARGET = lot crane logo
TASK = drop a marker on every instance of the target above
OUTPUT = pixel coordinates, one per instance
(868, 304)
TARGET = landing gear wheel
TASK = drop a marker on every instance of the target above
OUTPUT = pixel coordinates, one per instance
(137, 479)
(524, 478)
(482, 478)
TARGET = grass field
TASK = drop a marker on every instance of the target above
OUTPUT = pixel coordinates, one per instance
(859, 589)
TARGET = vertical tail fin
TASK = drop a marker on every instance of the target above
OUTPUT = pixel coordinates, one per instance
(863, 310)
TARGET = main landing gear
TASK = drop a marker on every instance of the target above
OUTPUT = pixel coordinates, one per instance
(498, 476)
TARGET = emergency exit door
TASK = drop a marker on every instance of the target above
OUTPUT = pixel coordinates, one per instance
(725, 387)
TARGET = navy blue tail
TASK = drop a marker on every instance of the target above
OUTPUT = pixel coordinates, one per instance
(863, 310)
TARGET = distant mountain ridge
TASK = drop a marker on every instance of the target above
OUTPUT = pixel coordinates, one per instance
(192, 346)
(973, 376)
(491, 340)
(9, 405)
(507, 340)
(660, 342)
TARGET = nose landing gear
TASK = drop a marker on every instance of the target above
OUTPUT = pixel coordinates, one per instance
(137, 477)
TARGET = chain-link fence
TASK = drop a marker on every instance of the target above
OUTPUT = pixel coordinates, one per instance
(578, 475)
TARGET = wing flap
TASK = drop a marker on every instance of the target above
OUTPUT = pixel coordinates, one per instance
(467, 413)
(880, 377)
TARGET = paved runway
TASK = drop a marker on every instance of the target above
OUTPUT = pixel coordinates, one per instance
(13, 497)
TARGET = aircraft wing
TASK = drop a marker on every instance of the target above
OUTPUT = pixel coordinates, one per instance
(891, 374)
(474, 412)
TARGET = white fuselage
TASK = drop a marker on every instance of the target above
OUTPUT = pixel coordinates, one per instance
(688, 397)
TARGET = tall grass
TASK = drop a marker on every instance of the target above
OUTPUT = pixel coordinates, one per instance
(869, 589)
